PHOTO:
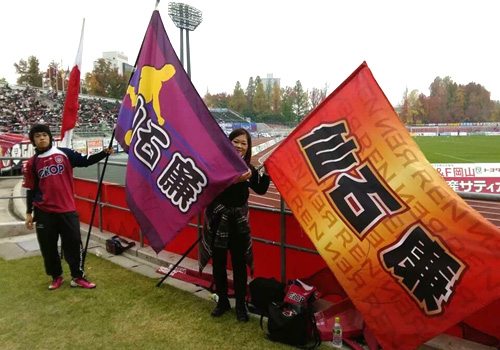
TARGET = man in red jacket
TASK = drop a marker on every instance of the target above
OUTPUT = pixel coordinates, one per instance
(50, 194)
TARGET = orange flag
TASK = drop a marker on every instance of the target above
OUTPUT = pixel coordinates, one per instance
(414, 258)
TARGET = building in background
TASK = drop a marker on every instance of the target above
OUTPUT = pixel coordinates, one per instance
(269, 81)
(118, 60)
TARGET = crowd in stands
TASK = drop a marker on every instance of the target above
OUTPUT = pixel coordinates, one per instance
(21, 108)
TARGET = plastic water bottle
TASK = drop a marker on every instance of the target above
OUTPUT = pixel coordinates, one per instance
(337, 333)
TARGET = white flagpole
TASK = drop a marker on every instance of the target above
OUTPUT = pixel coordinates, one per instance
(63, 75)
(68, 136)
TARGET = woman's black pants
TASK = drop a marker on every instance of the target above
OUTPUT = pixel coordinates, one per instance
(237, 247)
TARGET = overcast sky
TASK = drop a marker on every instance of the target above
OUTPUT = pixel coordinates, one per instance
(405, 43)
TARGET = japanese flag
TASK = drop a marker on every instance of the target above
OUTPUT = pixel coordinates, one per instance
(71, 103)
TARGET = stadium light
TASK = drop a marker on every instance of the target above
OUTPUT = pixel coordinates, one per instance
(185, 17)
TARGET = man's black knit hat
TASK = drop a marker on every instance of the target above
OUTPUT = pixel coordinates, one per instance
(39, 128)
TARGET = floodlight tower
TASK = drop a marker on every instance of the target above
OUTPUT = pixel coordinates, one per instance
(188, 18)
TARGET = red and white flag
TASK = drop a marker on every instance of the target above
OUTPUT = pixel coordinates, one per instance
(71, 104)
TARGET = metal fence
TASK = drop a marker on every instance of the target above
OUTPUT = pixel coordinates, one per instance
(282, 211)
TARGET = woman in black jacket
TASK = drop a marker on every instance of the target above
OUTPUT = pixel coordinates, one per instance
(226, 228)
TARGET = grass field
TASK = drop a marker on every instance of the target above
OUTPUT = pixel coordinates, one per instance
(463, 149)
(125, 311)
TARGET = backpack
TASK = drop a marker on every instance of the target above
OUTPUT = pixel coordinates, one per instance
(116, 245)
(262, 292)
(292, 321)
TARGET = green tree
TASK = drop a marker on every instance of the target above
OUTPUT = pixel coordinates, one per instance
(3, 81)
(55, 82)
(104, 80)
(478, 103)
(300, 103)
(220, 100)
(316, 96)
(437, 101)
(29, 72)
(275, 98)
(451, 94)
(207, 99)
(269, 91)
(97, 80)
(259, 102)
(415, 109)
(250, 92)
(457, 109)
(287, 98)
(412, 110)
(238, 100)
(117, 84)
(495, 114)
(403, 107)
(449, 102)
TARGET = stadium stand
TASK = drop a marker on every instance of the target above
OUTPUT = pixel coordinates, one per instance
(21, 107)
(227, 115)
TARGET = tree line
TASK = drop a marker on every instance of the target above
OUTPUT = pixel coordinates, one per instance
(449, 102)
(261, 103)
(104, 80)
(269, 103)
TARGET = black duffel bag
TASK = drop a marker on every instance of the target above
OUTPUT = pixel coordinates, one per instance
(264, 291)
(294, 326)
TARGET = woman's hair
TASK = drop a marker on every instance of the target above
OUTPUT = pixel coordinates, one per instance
(39, 128)
(238, 132)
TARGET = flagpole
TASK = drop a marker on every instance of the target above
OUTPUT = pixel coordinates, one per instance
(84, 254)
(62, 77)
(57, 88)
(178, 262)
(198, 218)
(99, 186)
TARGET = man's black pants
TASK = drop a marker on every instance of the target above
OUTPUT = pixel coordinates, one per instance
(49, 226)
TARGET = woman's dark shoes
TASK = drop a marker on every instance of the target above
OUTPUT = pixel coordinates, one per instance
(221, 308)
(241, 312)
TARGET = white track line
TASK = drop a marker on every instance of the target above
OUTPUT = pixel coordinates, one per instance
(481, 202)
(272, 192)
(271, 199)
(480, 206)
(265, 205)
(265, 155)
(487, 212)
(447, 155)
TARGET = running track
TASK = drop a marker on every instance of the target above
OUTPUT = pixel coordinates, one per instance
(490, 210)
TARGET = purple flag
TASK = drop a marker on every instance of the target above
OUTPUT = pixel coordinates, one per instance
(179, 158)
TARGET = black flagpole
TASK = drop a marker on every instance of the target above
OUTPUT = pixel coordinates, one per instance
(178, 262)
(106, 161)
(101, 177)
